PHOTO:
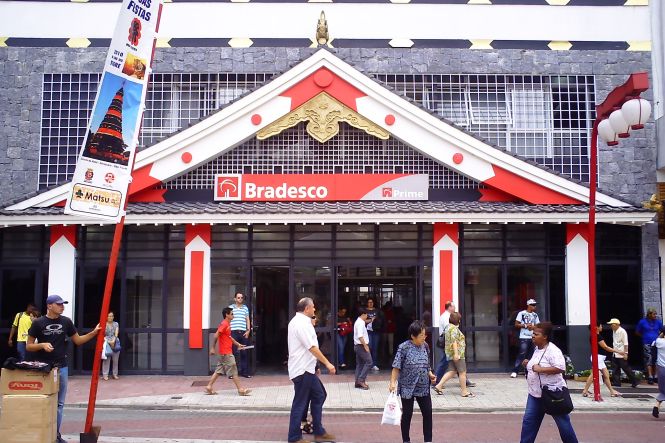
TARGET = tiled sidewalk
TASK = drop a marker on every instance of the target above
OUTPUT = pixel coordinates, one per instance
(494, 393)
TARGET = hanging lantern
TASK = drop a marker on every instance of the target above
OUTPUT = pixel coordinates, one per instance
(619, 124)
(606, 132)
(636, 112)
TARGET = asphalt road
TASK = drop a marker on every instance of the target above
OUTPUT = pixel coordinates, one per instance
(360, 427)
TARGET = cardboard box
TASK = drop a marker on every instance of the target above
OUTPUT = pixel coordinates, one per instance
(20, 382)
(29, 418)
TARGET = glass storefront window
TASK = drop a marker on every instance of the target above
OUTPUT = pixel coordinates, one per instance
(312, 241)
(524, 283)
(142, 352)
(144, 297)
(484, 349)
(355, 241)
(482, 296)
(229, 242)
(225, 281)
(315, 283)
(145, 242)
(175, 352)
(271, 243)
(398, 241)
(174, 296)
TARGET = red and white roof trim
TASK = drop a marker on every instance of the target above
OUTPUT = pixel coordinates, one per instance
(323, 71)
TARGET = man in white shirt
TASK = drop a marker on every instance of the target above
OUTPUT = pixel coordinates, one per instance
(303, 353)
(620, 343)
(525, 321)
(361, 348)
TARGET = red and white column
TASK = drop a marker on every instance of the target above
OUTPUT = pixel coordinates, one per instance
(62, 265)
(196, 312)
(445, 270)
(577, 294)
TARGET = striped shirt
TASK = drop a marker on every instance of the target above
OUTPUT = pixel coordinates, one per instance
(240, 314)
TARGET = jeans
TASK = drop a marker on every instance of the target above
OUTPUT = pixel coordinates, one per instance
(363, 363)
(442, 367)
(425, 404)
(533, 417)
(20, 348)
(63, 374)
(525, 352)
(308, 389)
(374, 338)
(619, 364)
(341, 346)
(241, 356)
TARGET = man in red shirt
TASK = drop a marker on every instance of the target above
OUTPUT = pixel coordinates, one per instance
(227, 362)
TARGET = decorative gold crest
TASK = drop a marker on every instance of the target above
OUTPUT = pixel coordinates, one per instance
(323, 114)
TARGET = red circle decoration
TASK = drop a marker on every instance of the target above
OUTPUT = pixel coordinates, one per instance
(458, 158)
(186, 157)
(323, 79)
(390, 119)
(256, 119)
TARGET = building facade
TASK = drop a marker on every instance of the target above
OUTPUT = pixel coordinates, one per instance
(497, 128)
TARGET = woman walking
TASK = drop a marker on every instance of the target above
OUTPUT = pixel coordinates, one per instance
(545, 368)
(411, 377)
(602, 368)
(660, 371)
(455, 350)
(111, 337)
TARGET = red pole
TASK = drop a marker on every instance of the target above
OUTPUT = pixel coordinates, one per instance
(106, 301)
(593, 313)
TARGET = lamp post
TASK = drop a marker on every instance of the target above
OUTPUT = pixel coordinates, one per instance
(622, 110)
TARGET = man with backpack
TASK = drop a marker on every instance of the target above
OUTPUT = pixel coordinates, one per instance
(21, 324)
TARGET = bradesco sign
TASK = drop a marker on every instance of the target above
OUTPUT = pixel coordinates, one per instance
(320, 187)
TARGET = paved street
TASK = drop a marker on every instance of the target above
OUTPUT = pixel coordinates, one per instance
(235, 426)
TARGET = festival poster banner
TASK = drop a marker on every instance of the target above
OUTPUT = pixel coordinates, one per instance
(103, 170)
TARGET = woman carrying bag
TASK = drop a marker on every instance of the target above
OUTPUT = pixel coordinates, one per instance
(545, 380)
(112, 343)
(412, 369)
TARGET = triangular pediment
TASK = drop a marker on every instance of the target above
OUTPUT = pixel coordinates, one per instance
(324, 74)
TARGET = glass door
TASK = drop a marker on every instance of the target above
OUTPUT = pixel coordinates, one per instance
(270, 308)
(18, 286)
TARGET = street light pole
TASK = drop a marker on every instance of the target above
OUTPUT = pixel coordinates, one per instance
(635, 112)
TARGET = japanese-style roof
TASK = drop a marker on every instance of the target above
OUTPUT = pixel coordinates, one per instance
(342, 212)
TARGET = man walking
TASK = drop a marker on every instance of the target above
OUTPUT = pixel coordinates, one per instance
(51, 332)
(444, 321)
(21, 324)
(227, 362)
(620, 359)
(648, 328)
(303, 353)
(361, 348)
(240, 330)
(525, 322)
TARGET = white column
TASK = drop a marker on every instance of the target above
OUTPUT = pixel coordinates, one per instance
(62, 266)
(196, 303)
(445, 269)
(577, 274)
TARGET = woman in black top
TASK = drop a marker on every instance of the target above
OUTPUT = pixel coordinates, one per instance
(601, 365)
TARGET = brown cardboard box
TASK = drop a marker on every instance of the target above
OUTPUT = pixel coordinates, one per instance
(20, 382)
(29, 418)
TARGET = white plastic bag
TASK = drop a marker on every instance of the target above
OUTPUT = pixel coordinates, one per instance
(392, 412)
(104, 357)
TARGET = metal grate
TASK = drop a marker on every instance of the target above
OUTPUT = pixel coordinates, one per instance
(294, 152)
(544, 118)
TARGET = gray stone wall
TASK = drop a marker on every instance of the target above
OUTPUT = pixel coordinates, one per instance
(627, 171)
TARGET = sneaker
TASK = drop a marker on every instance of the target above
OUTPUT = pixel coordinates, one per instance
(375, 368)
(634, 385)
(342, 366)
(324, 437)
(655, 411)
(650, 381)
(59, 439)
(513, 375)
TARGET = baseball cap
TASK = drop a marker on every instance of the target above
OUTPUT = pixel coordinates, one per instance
(614, 321)
(531, 301)
(55, 299)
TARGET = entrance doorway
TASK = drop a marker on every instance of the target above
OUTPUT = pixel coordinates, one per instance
(394, 291)
(271, 316)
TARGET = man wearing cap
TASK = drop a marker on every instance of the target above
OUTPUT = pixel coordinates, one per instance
(620, 359)
(525, 321)
(50, 332)
(648, 328)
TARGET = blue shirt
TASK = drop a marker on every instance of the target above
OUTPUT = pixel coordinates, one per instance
(649, 330)
(240, 314)
(413, 364)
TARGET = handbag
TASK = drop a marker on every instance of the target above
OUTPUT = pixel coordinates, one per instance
(116, 345)
(107, 349)
(345, 328)
(441, 341)
(392, 412)
(555, 401)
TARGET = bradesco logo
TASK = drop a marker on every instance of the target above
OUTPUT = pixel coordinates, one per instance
(227, 187)
(25, 385)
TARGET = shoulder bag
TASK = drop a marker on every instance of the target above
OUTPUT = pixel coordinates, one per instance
(555, 402)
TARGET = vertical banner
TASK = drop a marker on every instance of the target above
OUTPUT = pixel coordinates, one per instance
(103, 170)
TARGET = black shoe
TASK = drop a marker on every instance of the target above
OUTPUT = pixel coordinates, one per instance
(650, 381)
(633, 385)
(655, 411)
(246, 376)
(470, 384)
(59, 439)
(362, 386)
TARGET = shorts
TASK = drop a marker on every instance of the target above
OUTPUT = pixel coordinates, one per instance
(227, 365)
(457, 366)
(648, 356)
(601, 362)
